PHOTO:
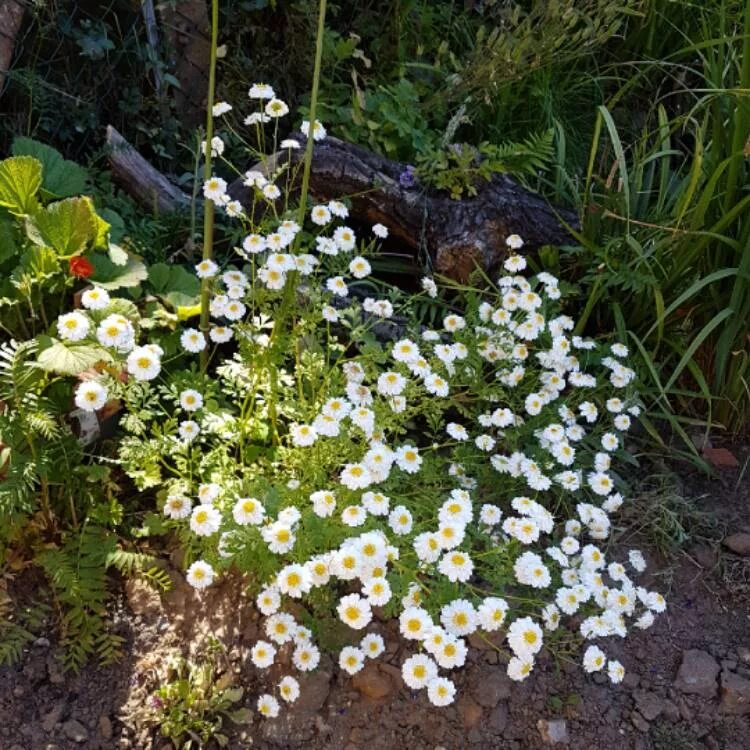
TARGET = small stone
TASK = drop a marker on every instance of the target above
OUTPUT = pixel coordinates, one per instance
(735, 694)
(104, 726)
(372, 683)
(553, 732)
(670, 711)
(649, 704)
(498, 719)
(738, 543)
(469, 711)
(75, 731)
(729, 665)
(639, 722)
(489, 689)
(721, 458)
(743, 654)
(697, 674)
(142, 599)
(631, 680)
(41, 643)
(50, 719)
(54, 670)
(314, 690)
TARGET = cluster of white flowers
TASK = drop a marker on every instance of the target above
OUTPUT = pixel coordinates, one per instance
(460, 477)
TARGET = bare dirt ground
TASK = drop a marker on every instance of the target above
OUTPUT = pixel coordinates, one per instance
(687, 686)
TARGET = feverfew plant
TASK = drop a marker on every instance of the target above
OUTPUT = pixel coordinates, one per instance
(461, 480)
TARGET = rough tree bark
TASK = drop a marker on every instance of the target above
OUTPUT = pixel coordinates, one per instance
(11, 17)
(139, 179)
(187, 31)
(458, 234)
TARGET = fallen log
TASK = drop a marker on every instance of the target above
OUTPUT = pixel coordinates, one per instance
(458, 235)
(141, 180)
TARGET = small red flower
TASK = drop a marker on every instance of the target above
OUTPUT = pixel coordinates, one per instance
(80, 267)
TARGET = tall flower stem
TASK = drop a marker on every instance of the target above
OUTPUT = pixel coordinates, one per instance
(208, 205)
(290, 289)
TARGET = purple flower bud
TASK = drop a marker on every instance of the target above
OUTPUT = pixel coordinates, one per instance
(407, 178)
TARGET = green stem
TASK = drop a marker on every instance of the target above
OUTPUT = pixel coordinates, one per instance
(208, 205)
(741, 116)
(290, 288)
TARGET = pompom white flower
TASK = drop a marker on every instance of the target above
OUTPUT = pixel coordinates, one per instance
(400, 520)
(263, 654)
(200, 574)
(354, 611)
(268, 706)
(379, 230)
(90, 396)
(345, 239)
(220, 108)
(459, 617)
(192, 340)
(261, 91)
(188, 430)
(320, 215)
(303, 435)
(359, 268)
(415, 623)
(372, 645)
(525, 637)
(456, 566)
(294, 580)
(491, 613)
(289, 689)
(429, 286)
(143, 363)
(177, 507)
(217, 146)
(418, 670)
(319, 132)
(276, 108)
(351, 659)
(268, 601)
(519, 668)
(616, 671)
(191, 400)
(73, 326)
(95, 299)
(441, 691)
(214, 189)
(594, 659)
(205, 520)
(306, 657)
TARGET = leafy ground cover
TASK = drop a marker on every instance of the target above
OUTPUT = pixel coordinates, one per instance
(709, 594)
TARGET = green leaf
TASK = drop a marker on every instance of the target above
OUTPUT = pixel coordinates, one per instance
(60, 178)
(233, 694)
(20, 180)
(158, 275)
(8, 244)
(66, 226)
(241, 716)
(109, 276)
(176, 285)
(118, 255)
(71, 359)
(115, 221)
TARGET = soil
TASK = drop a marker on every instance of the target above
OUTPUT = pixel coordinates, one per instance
(708, 592)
